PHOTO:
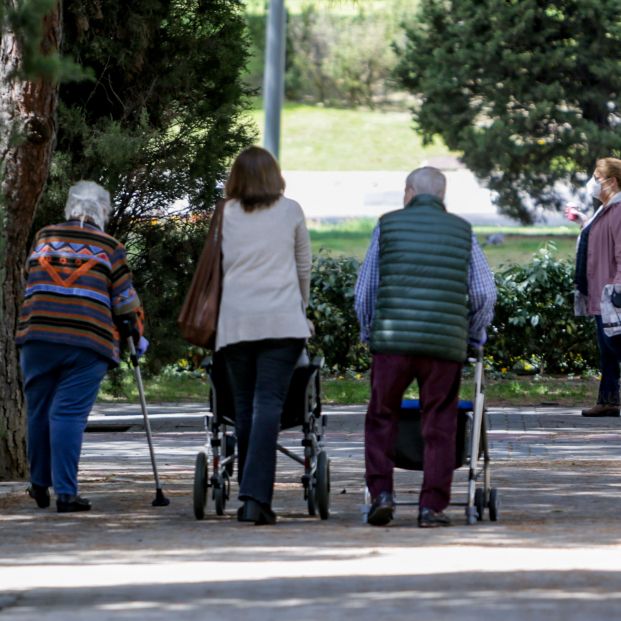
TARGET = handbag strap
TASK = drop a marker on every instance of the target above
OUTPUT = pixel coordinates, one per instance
(215, 227)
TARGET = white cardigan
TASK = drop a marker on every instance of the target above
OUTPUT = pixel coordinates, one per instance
(266, 265)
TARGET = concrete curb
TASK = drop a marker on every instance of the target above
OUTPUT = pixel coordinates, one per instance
(158, 422)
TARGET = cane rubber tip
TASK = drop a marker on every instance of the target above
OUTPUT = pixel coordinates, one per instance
(160, 499)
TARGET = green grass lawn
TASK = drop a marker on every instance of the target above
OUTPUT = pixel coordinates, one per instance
(351, 238)
(161, 389)
(520, 248)
(322, 138)
(343, 390)
(508, 391)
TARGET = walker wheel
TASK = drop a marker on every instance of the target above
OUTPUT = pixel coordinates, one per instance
(322, 482)
(479, 502)
(200, 485)
(494, 504)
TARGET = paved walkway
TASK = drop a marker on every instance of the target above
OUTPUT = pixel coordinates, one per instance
(555, 553)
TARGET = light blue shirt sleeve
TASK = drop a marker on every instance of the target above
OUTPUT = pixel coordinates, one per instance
(367, 285)
(481, 294)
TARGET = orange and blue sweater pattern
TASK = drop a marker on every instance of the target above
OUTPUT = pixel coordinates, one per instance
(78, 281)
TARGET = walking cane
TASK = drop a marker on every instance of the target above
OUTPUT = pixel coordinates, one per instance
(160, 500)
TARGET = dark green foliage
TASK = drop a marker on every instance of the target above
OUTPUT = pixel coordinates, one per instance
(162, 258)
(26, 20)
(162, 119)
(529, 91)
(158, 127)
(534, 322)
(332, 58)
(331, 310)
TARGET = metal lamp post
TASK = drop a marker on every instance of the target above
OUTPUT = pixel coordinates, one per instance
(274, 75)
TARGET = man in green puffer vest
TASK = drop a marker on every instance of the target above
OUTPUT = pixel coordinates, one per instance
(424, 292)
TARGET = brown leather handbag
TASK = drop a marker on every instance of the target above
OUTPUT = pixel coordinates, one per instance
(198, 319)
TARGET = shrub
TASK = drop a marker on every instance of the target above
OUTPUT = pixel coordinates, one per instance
(534, 324)
(534, 327)
(331, 309)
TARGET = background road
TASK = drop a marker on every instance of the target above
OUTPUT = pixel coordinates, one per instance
(339, 195)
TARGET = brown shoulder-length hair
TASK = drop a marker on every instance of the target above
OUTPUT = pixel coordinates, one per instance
(255, 179)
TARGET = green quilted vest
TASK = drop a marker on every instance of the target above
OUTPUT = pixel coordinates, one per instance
(422, 301)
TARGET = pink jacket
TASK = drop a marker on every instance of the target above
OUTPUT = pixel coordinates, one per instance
(604, 254)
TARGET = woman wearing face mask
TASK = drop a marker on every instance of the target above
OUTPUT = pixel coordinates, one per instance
(598, 263)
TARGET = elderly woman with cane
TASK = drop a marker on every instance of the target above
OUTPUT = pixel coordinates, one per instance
(78, 288)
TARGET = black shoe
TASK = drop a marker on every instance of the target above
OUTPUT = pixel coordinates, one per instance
(253, 511)
(382, 509)
(602, 409)
(428, 518)
(65, 503)
(40, 494)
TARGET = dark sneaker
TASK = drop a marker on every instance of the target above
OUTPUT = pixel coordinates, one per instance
(428, 518)
(382, 510)
(65, 503)
(40, 494)
(602, 409)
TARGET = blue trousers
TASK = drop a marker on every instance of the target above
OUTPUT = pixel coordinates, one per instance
(61, 383)
(609, 357)
(259, 373)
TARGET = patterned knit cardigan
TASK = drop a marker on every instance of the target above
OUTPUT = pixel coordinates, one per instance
(78, 281)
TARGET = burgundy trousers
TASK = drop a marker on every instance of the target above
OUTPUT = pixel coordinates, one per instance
(438, 382)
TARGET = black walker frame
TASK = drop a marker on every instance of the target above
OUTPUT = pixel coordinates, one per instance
(302, 408)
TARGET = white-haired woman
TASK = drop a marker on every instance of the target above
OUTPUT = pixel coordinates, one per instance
(78, 285)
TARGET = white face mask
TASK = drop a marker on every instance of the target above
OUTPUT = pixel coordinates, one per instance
(594, 188)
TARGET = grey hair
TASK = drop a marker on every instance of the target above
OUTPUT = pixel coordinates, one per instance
(427, 180)
(88, 199)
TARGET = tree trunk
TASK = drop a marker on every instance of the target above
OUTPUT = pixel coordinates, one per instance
(27, 118)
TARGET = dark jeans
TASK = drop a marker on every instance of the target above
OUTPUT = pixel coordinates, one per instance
(61, 383)
(609, 357)
(259, 373)
(438, 382)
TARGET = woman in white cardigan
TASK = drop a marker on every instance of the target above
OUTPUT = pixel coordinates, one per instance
(262, 325)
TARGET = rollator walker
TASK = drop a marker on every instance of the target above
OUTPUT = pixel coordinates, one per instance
(302, 409)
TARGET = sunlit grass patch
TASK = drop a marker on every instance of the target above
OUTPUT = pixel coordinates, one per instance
(318, 137)
(510, 391)
(158, 389)
(351, 237)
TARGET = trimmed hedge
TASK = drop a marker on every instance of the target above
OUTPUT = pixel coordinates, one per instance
(331, 309)
(534, 327)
